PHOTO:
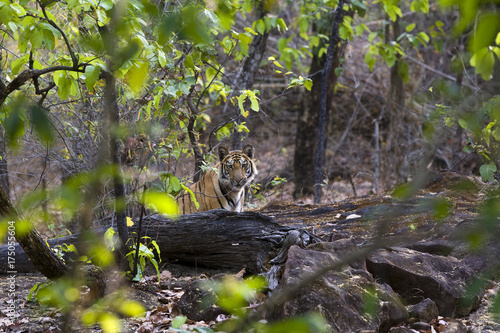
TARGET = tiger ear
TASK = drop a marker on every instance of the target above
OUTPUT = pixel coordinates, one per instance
(223, 152)
(248, 150)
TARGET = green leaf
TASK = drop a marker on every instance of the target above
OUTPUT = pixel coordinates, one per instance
(91, 76)
(18, 9)
(441, 208)
(420, 5)
(137, 76)
(162, 202)
(241, 100)
(486, 31)
(308, 84)
(109, 322)
(131, 308)
(410, 27)
(6, 14)
(178, 321)
(424, 37)
(36, 38)
(282, 43)
(463, 123)
(360, 28)
(49, 40)
(370, 60)
(14, 122)
(162, 59)
(496, 133)
(18, 64)
(359, 6)
(487, 171)
(224, 132)
(33, 292)
(63, 86)
(403, 191)
(193, 28)
(41, 122)
(260, 26)
(484, 61)
(254, 103)
(282, 25)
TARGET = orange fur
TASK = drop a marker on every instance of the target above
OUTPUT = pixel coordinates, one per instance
(225, 189)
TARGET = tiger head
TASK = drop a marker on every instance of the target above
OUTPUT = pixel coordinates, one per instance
(237, 168)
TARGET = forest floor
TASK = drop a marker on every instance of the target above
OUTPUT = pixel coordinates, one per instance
(161, 309)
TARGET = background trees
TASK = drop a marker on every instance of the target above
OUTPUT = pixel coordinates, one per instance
(101, 97)
(166, 57)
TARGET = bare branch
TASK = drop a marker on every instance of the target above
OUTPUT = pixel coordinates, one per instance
(74, 58)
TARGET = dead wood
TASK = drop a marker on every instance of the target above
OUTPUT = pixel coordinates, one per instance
(217, 238)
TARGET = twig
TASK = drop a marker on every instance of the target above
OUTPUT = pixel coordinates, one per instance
(74, 58)
(198, 155)
(139, 234)
(436, 71)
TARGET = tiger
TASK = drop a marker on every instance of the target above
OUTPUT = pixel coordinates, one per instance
(224, 185)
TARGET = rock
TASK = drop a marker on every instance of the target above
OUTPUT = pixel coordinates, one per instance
(455, 327)
(439, 246)
(340, 296)
(416, 275)
(199, 304)
(340, 247)
(402, 330)
(421, 326)
(424, 311)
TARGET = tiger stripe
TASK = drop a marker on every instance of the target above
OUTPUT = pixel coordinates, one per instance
(225, 188)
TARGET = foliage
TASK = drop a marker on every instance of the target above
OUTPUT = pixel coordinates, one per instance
(161, 202)
(236, 296)
(393, 52)
(66, 294)
(59, 53)
(481, 124)
(483, 18)
(145, 254)
(180, 320)
(108, 311)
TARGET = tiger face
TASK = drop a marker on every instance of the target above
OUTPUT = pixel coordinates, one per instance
(237, 168)
(223, 187)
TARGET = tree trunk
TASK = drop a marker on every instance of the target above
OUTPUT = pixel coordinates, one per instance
(4, 171)
(217, 238)
(395, 111)
(306, 139)
(114, 152)
(250, 67)
(40, 255)
(333, 49)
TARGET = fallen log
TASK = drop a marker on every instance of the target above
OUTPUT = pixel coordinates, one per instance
(217, 239)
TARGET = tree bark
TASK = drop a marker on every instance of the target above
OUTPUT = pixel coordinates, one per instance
(246, 76)
(333, 48)
(395, 110)
(4, 171)
(114, 152)
(217, 238)
(306, 139)
(193, 139)
(40, 255)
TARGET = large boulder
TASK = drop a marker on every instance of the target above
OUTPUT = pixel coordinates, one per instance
(349, 299)
(416, 275)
